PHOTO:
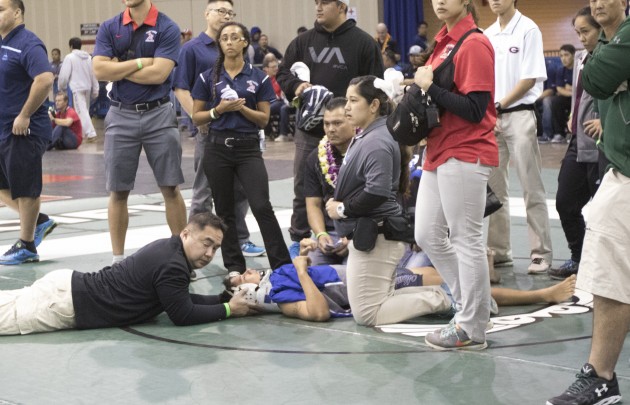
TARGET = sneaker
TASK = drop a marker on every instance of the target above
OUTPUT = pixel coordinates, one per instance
(568, 268)
(538, 266)
(91, 139)
(452, 337)
(557, 138)
(281, 138)
(44, 229)
(18, 254)
(294, 250)
(589, 389)
(543, 139)
(251, 250)
(503, 263)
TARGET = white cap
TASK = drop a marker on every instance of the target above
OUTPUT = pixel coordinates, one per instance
(415, 50)
(346, 2)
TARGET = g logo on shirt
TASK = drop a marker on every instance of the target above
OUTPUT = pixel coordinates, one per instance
(514, 49)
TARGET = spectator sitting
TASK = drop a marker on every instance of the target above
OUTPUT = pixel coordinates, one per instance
(560, 103)
(280, 106)
(421, 36)
(385, 40)
(67, 132)
(389, 60)
(263, 49)
(416, 59)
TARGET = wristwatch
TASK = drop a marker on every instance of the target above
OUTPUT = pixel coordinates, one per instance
(340, 211)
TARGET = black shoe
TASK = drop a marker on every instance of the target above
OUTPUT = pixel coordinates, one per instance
(569, 268)
(589, 389)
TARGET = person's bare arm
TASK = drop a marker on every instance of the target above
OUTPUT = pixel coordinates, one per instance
(260, 116)
(156, 73)
(522, 87)
(315, 307)
(566, 91)
(185, 100)
(42, 83)
(113, 70)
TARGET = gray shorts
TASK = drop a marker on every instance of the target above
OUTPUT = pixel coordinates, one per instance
(128, 132)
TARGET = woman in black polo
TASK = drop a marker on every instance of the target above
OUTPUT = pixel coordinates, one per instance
(233, 97)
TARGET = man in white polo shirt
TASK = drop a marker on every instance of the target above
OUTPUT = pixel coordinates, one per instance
(519, 76)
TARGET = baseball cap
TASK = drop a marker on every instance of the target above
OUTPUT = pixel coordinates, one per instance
(346, 2)
(415, 50)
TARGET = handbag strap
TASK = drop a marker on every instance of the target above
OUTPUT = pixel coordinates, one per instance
(451, 55)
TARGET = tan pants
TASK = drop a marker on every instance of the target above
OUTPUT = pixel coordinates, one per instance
(371, 279)
(517, 141)
(43, 307)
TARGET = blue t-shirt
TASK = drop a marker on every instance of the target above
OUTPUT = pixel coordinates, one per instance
(156, 39)
(23, 56)
(195, 57)
(251, 83)
(563, 77)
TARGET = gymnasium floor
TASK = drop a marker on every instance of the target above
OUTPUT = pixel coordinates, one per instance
(533, 351)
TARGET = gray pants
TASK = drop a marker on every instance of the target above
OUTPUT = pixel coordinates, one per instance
(449, 228)
(202, 194)
(371, 278)
(517, 141)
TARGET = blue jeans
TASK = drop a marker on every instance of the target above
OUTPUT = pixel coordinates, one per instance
(63, 138)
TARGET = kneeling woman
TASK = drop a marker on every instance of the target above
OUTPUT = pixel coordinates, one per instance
(367, 187)
(233, 97)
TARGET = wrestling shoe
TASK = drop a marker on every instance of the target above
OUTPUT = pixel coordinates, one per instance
(44, 229)
(18, 254)
(452, 337)
(589, 389)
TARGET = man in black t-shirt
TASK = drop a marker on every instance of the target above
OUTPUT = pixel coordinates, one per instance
(320, 175)
(154, 279)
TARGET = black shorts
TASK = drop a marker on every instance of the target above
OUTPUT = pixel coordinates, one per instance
(21, 165)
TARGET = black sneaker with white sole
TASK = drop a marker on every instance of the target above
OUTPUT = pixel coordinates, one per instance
(589, 389)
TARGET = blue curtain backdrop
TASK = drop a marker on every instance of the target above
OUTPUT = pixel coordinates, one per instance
(402, 18)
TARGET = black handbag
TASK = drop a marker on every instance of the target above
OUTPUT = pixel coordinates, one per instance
(399, 228)
(365, 234)
(492, 202)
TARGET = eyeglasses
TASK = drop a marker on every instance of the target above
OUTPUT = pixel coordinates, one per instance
(223, 12)
(233, 38)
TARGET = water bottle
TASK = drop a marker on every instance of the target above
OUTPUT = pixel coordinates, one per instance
(261, 137)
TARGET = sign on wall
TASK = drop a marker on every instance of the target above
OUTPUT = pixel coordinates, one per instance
(88, 29)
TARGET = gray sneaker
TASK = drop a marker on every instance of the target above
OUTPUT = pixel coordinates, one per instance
(569, 268)
(558, 138)
(452, 337)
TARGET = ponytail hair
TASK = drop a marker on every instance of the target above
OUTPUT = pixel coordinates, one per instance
(365, 88)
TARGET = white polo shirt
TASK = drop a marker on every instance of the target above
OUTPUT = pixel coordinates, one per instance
(519, 55)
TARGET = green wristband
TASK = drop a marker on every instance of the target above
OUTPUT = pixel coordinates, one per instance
(139, 63)
(227, 310)
(320, 234)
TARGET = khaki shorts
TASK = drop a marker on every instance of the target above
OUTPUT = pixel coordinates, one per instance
(605, 264)
(43, 307)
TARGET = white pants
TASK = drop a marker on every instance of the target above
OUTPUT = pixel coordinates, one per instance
(449, 228)
(43, 307)
(517, 141)
(371, 277)
(82, 107)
